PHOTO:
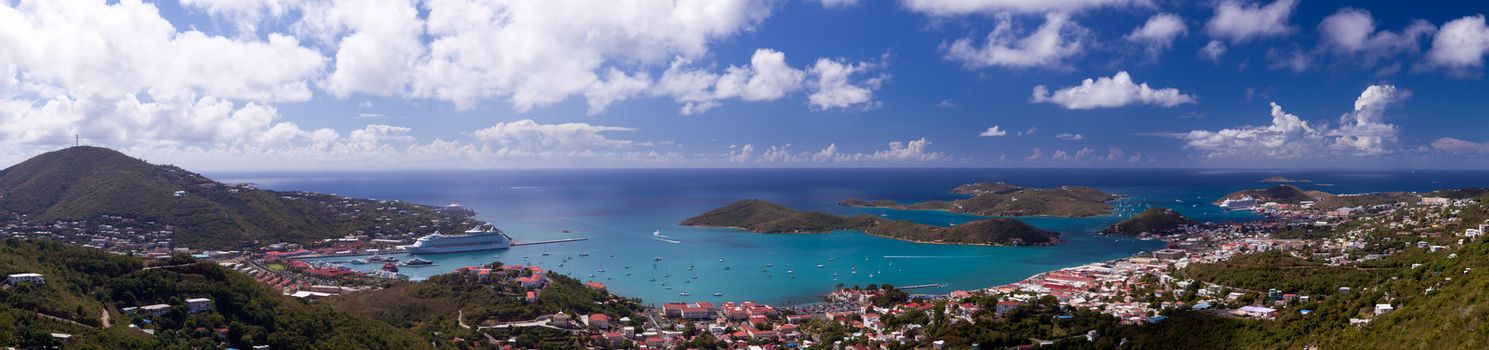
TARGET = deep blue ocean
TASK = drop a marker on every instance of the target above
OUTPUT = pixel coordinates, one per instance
(618, 210)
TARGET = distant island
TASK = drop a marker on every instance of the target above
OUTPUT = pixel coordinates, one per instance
(168, 203)
(764, 217)
(1003, 199)
(1154, 221)
(1281, 179)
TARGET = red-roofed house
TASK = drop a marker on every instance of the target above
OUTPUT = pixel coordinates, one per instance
(599, 321)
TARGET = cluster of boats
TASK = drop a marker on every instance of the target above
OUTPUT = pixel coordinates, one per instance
(390, 264)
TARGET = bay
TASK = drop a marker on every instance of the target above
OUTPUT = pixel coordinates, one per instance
(618, 210)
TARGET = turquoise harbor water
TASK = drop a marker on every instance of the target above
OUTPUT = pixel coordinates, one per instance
(617, 211)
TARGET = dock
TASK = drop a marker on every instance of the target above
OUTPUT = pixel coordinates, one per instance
(565, 240)
(919, 286)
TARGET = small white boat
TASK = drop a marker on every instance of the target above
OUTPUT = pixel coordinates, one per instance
(717, 294)
(684, 294)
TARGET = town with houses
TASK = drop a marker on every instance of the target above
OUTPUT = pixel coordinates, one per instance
(1137, 290)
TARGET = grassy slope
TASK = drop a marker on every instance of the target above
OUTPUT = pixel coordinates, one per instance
(93, 281)
(1454, 316)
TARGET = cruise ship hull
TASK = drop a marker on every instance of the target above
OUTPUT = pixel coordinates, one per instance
(478, 239)
(469, 248)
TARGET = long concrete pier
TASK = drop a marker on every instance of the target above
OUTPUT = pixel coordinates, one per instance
(565, 240)
(919, 286)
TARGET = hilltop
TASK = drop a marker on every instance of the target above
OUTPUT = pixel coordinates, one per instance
(1286, 194)
(764, 217)
(1003, 199)
(83, 284)
(81, 183)
(1154, 221)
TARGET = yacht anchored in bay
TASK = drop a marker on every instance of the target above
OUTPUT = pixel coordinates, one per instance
(483, 237)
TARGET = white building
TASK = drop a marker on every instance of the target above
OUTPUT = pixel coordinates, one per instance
(199, 305)
(156, 310)
(17, 278)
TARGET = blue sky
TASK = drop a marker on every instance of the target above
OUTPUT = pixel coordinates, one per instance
(271, 84)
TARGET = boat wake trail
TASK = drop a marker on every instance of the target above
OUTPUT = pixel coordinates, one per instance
(673, 241)
(657, 235)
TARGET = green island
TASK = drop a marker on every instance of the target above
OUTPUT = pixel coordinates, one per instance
(1003, 199)
(1154, 221)
(764, 217)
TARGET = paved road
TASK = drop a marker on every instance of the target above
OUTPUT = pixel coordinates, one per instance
(167, 266)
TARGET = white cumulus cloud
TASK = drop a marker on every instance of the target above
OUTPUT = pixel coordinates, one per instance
(898, 151)
(1110, 92)
(1212, 51)
(964, 7)
(1351, 33)
(1159, 32)
(994, 131)
(1240, 21)
(1048, 46)
(529, 138)
(1070, 137)
(1360, 132)
(88, 48)
(832, 87)
(1455, 145)
(837, 3)
(1460, 44)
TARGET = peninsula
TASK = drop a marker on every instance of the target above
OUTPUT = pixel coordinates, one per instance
(764, 217)
(1293, 195)
(152, 203)
(1003, 199)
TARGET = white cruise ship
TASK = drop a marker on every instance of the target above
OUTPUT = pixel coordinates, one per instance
(484, 237)
(1244, 203)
